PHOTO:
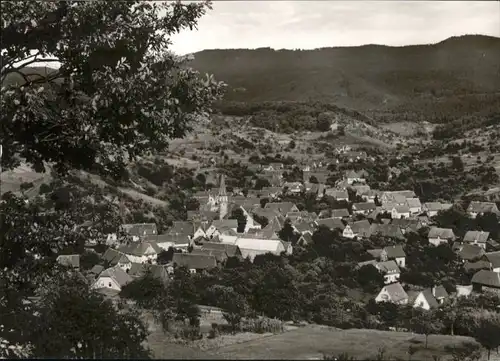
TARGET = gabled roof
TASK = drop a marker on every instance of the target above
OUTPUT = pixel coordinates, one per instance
(479, 236)
(282, 207)
(139, 249)
(194, 261)
(181, 227)
(367, 206)
(401, 209)
(375, 253)
(433, 206)
(360, 227)
(395, 252)
(303, 226)
(119, 275)
(112, 256)
(332, 223)
(70, 260)
(140, 269)
(487, 278)
(97, 269)
(440, 292)
(396, 292)
(493, 258)
(140, 229)
(231, 249)
(225, 223)
(340, 213)
(431, 300)
(481, 264)
(307, 238)
(482, 207)
(471, 252)
(443, 233)
(413, 202)
(220, 255)
(407, 224)
(386, 230)
(336, 193)
(259, 244)
(388, 267)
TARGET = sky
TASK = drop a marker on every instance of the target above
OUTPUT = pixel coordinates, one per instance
(314, 24)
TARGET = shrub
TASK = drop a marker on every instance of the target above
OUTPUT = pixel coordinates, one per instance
(262, 325)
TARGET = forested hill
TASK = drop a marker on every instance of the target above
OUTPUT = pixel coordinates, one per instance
(458, 75)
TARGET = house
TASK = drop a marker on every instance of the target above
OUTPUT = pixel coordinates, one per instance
(356, 177)
(369, 196)
(251, 247)
(331, 223)
(430, 298)
(394, 293)
(386, 230)
(400, 211)
(281, 207)
(271, 192)
(293, 187)
(396, 197)
(320, 177)
(470, 252)
(218, 225)
(494, 259)
(141, 252)
(463, 291)
(432, 208)
(480, 208)
(114, 257)
(357, 229)
(176, 241)
(439, 236)
(139, 270)
(194, 262)
(139, 230)
(220, 255)
(340, 213)
(231, 250)
(407, 225)
(485, 280)
(304, 227)
(114, 278)
(70, 260)
(414, 205)
(395, 253)
(389, 270)
(476, 266)
(363, 208)
(336, 194)
(478, 238)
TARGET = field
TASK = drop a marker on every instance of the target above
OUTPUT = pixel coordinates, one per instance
(312, 342)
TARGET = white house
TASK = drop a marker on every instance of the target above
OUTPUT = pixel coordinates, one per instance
(439, 236)
(141, 252)
(390, 270)
(114, 278)
(414, 205)
(479, 238)
(430, 298)
(251, 247)
(398, 212)
(479, 208)
(394, 293)
(356, 177)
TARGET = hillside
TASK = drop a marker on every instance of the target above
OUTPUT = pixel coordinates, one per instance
(438, 81)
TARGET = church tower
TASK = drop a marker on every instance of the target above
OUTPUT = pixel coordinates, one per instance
(222, 198)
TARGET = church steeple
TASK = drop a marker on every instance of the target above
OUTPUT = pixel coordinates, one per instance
(222, 198)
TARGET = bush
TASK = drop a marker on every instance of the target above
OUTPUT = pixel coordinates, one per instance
(262, 325)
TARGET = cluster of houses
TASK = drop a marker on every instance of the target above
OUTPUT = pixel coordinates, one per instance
(209, 237)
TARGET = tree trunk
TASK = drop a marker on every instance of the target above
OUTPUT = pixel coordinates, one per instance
(453, 328)
(426, 338)
(489, 352)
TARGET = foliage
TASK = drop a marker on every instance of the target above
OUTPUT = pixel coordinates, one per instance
(488, 330)
(425, 322)
(467, 351)
(109, 87)
(238, 214)
(234, 305)
(144, 290)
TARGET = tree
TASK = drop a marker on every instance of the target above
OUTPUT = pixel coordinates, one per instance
(117, 93)
(425, 323)
(165, 257)
(287, 233)
(488, 330)
(261, 183)
(313, 179)
(74, 321)
(233, 304)
(467, 351)
(238, 214)
(143, 290)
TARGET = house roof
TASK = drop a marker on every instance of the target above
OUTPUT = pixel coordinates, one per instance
(360, 227)
(375, 253)
(225, 223)
(181, 227)
(97, 269)
(307, 238)
(231, 249)
(431, 300)
(413, 202)
(341, 213)
(481, 264)
(366, 263)
(387, 230)
(396, 292)
(304, 226)
(332, 192)
(119, 275)
(395, 251)
(433, 206)
(401, 209)
(367, 206)
(266, 245)
(220, 255)
(112, 256)
(493, 258)
(487, 278)
(140, 269)
(282, 207)
(332, 223)
(479, 236)
(443, 233)
(70, 260)
(407, 224)
(194, 261)
(140, 229)
(440, 292)
(354, 174)
(139, 249)
(471, 252)
(482, 207)
(388, 267)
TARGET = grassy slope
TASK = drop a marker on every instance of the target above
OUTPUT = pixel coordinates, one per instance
(365, 78)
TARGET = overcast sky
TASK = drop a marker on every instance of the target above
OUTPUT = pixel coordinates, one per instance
(313, 24)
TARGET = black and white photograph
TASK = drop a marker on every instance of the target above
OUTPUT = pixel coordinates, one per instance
(217, 180)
